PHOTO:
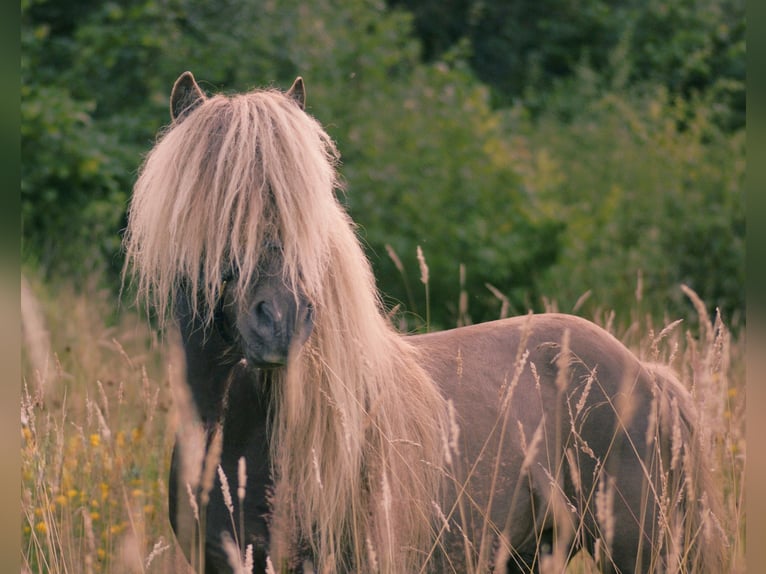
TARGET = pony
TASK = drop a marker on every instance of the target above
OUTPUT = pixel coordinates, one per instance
(505, 446)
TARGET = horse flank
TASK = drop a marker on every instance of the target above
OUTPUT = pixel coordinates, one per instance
(357, 444)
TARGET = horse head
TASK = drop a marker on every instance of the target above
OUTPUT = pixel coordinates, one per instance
(267, 318)
(263, 316)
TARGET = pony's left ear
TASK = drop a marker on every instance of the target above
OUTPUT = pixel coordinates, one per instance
(298, 92)
(186, 96)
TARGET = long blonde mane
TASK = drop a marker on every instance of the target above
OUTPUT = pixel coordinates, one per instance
(357, 443)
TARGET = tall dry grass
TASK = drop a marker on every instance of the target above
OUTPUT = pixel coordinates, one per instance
(96, 426)
(701, 356)
(98, 416)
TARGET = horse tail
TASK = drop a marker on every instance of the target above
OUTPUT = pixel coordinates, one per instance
(695, 533)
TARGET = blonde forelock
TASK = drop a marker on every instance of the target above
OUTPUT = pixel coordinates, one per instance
(238, 173)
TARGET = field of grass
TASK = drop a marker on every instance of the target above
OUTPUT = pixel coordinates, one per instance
(96, 431)
(97, 423)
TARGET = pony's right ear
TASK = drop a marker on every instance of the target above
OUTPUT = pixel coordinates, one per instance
(186, 96)
(298, 92)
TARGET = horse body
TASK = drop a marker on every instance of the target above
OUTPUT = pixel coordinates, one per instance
(478, 367)
(498, 446)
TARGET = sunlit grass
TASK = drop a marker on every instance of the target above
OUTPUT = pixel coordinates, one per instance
(95, 434)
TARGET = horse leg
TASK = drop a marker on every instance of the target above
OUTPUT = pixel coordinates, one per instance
(526, 558)
(180, 510)
(630, 550)
(529, 532)
(185, 523)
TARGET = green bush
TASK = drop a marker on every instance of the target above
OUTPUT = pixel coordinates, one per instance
(74, 186)
(522, 49)
(433, 170)
(647, 183)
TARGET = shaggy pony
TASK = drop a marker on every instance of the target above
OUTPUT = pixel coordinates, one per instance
(514, 442)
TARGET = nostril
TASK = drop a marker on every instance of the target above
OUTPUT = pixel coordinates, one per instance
(262, 312)
(264, 317)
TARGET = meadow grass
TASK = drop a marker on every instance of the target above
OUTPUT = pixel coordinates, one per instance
(98, 417)
(96, 429)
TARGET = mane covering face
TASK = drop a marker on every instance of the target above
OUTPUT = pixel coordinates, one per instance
(356, 447)
(237, 174)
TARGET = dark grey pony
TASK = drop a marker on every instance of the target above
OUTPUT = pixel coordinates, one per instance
(332, 442)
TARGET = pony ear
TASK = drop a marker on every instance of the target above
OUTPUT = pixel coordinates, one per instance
(186, 96)
(298, 92)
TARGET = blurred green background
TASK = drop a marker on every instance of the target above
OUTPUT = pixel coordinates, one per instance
(551, 148)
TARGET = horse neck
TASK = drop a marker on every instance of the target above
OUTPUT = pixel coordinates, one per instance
(214, 375)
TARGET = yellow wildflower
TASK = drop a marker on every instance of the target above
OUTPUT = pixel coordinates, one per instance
(41, 527)
(95, 439)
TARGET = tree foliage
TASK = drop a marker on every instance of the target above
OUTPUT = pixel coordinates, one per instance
(440, 176)
(522, 48)
(549, 148)
(648, 184)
